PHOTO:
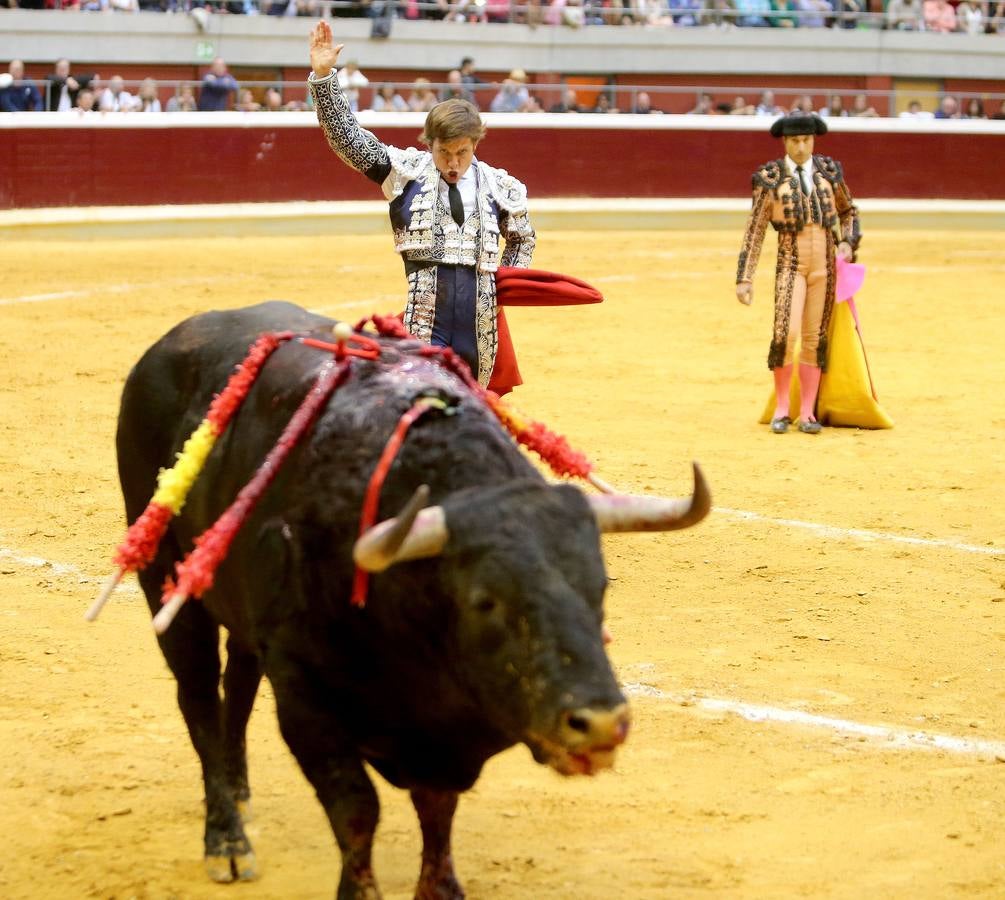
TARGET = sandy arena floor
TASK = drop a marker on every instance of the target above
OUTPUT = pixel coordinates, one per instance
(902, 628)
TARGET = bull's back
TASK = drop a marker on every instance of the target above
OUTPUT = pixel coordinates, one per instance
(169, 390)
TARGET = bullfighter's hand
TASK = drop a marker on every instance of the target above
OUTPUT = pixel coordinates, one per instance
(745, 293)
(324, 56)
(844, 250)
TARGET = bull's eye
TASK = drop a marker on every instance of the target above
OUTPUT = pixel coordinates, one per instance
(484, 604)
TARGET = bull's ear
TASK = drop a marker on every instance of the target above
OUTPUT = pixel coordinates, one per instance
(417, 532)
(622, 512)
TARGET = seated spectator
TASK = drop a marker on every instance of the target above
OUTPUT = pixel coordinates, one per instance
(22, 95)
(722, 14)
(1001, 111)
(849, 12)
(767, 105)
(568, 104)
(784, 14)
(861, 109)
(387, 99)
(422, 98)
(998, 14)
(272, 101)
(914, 111)
(938, 15)
(455, 89)
(643, 105)
(835, 108)
(655, 14)
(803, 104)
(685, 13)
(974, 109)
(146, 98)
(970, 17)
(752, 13)
(741, 107)
(703, 107)
(604, 105)
(246, 101)
(948, 109)
(904, 15)
(115, 97)
(813, 13)
(183, 100)
(217, 86)
(62, 87)
(513, 94)
(86, 101)
(350, 79)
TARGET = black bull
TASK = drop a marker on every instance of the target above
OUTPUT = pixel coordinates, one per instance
(487, 634)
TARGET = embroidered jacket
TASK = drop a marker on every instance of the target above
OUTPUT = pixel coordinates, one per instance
(777, 199)
(425, 233)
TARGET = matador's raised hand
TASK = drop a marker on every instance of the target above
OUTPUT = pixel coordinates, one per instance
(324, 56)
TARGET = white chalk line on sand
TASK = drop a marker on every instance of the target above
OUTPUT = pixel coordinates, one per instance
(101, 289)
(860, 534)
(894, 738)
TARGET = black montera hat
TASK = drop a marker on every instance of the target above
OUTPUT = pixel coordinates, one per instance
(798, 123)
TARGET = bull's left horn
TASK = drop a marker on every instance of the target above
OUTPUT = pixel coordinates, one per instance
(415, 533)
(622, 512)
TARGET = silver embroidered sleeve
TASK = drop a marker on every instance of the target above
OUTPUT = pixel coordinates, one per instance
(520, 243)
(355, 146)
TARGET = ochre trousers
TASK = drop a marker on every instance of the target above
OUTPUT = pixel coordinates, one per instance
(809, 295)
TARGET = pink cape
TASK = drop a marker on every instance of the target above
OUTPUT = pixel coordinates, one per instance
(849, 279)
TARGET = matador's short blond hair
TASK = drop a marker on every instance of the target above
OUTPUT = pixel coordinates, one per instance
(450, 120)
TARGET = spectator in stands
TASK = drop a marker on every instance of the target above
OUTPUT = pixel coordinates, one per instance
(115, 97)
(246, 101)
(703, 107)
(387, 99)
(974, 109)
(604, 104)
(949, 108)
(686, 13)
(272, 101)
(146, 98)
(803, 104)
(513, 94)
(741, 107)
(914, 111)
(448, 210)
(468, 77)
(835, 108)
(183, 100)
(643, 105)
(655, 14)
(767, 105)
(455, 89)
(813, 13)
(86, 101)
(351, 79)
(752, 13)
(62, 87)
(783, 14)
(998, 14)
(1001, 111)
(423, 98)
(568, 104)
(849, 12)
(904, 15)
(861, 109)
(938, 15)
(217, 86)
(806, 200)
(22, 95)
(722, 14)
(970, 17)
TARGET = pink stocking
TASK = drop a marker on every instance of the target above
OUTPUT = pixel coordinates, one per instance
(783, 379)
(809, 383)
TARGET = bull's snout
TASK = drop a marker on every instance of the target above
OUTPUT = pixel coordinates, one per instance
(587, 729)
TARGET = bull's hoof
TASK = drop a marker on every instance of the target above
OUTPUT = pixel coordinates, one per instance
(239, 867)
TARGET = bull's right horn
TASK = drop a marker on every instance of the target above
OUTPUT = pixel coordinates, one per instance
(623, 512)
(415, 533)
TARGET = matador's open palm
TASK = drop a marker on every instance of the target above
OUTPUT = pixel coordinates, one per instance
(324, 55)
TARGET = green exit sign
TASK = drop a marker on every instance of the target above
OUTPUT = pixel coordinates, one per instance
(205, 50)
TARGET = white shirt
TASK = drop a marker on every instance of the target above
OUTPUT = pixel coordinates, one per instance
(808, 186)
(468, 186)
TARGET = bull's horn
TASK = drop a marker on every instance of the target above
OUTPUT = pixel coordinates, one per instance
(415, 533)
(622, 512)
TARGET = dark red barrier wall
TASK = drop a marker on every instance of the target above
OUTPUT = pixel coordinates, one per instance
(112, 166)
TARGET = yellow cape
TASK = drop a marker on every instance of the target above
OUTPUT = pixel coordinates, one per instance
(846, 395)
